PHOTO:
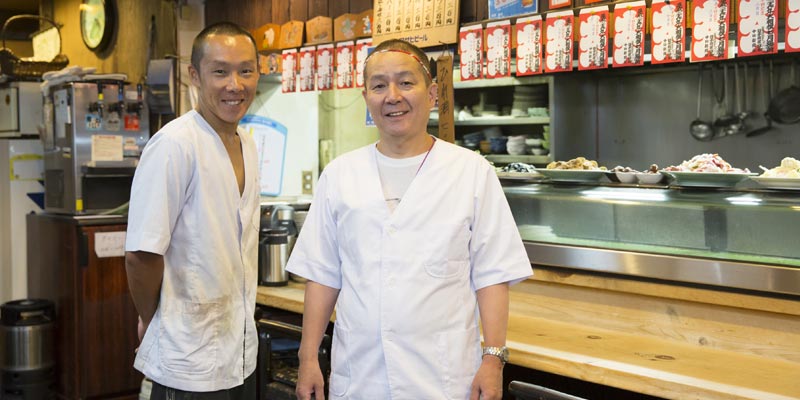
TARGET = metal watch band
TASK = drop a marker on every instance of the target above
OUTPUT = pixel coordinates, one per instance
(499, 352)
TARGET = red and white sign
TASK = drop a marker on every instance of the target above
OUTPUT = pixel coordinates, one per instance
(529, 45)
(710, 29)
(470, 45)
(792, 26)
(758, 27)
(629, 27)
(344, 64)
(559, 3)
(306, 77)
(325, 66)
(289, 68)
(669, 32)
(362, 52)
(558, 50)
(593, 41)
(498, 49)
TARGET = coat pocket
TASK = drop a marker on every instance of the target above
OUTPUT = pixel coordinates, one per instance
(188, 338)
(447, 269)
(340, 366)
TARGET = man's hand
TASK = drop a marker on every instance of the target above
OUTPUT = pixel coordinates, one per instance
(310, 385)
(488, 382)
(141, 328)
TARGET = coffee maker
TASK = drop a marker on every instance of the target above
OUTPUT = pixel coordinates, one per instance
(94, 135)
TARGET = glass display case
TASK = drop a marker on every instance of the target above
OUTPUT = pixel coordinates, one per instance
(743, 239)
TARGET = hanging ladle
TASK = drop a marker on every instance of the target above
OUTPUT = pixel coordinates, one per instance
(767, 94)
(700, 130)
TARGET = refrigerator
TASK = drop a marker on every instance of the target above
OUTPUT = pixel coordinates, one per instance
(21, 192)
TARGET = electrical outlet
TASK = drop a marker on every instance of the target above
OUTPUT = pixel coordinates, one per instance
(307, 182)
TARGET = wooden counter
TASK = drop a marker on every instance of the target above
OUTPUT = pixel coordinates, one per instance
(660, 339)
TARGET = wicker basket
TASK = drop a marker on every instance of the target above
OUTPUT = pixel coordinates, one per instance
(14, 67)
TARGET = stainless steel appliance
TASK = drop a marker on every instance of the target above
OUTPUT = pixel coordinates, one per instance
(273, 252)
(20, 109)
(99, 130)
(26, 349)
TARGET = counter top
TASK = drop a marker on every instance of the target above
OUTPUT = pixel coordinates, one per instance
(654, 338)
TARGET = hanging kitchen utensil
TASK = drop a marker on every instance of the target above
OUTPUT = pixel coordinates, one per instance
(725, 124)
(747, 114)
(767, 94)
(741, 115)
(700, 130)
(784, 108)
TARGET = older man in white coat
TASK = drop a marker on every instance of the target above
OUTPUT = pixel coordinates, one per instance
(412, 239)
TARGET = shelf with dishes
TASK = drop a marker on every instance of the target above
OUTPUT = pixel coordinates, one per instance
(496, 120)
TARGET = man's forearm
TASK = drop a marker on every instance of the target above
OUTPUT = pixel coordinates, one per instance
(318, 307)
(145, 272)
(493, 307)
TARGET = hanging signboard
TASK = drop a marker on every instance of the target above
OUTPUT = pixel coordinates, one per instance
(629, 26)
(710, 23)
(758, 27)
(424, 23)
(325, 66)
(669, 27)
(470, 47)
(529, 45)
(792, 26)
(498, 49)
(305, 79)
(362, 51)
(344, 65)
(593, 41)
(289, 70)
(558, 50)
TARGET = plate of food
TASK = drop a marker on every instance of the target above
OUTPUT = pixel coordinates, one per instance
(572, 175)
(519, 176)
(785, 176)
(707, 179)
(778, 183)
(575, 170)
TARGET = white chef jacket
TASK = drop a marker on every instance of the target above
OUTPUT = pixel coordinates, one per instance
(185, 205)
(407, 318)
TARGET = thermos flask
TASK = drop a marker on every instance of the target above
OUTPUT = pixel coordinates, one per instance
(272, 256)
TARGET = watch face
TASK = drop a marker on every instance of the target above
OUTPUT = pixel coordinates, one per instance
(93, 22)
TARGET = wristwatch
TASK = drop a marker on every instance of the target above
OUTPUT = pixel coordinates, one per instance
(499, 352)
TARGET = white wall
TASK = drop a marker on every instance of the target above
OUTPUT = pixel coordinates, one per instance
(299, 112)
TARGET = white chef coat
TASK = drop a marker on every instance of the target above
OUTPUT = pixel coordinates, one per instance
(407, 318)
(185, 205)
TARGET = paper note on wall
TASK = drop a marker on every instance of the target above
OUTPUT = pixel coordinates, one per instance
(109, 244)
(270, 138)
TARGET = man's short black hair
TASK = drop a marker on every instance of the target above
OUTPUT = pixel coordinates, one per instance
(219, 28)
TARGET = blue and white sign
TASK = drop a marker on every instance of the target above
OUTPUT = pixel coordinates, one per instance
(270, 138)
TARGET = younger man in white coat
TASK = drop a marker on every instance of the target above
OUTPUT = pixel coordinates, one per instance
(409, 238)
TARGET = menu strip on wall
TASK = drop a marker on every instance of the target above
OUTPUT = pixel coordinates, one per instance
(529, 45)
(792, 26)
(593, 41)
(758, 27)
(710, 30)
(422, 22)
(558, 50)
(325, 66)
(344, 64)
(667, 42)
(629, 25)
(498, 49)
(288, 71)
(362, 51)
(306, 78)
(470, 49)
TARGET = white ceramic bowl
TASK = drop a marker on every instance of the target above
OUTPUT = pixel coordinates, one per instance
(538, 151)
(533, 142)
(626, 177)
(649, 179)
